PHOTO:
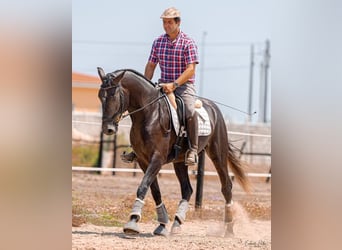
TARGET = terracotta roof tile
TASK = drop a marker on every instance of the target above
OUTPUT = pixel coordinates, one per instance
(84, 78)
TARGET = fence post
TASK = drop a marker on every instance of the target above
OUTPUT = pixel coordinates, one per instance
(268, 178)
(200, 176)
(99, 160)
(135, 166)
(114, 155)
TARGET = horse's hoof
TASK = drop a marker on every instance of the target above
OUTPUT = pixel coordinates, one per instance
(161, 231)
(176, 230)
(229, 232)
(131, 228)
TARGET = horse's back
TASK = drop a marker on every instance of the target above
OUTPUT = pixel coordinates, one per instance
(214, 112)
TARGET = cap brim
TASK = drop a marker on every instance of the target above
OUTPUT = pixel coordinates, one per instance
(169, 16)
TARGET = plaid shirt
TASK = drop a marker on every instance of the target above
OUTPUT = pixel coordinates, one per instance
(173, 57)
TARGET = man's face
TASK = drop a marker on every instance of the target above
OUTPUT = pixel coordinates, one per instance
(170, 26)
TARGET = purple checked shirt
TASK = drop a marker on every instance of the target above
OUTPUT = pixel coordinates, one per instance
(173, 57)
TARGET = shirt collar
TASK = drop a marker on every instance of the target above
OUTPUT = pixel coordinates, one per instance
(180, 34)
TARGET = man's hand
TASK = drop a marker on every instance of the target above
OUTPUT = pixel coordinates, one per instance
(168, 87)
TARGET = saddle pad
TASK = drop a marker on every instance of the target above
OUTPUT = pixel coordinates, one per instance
(204, 128)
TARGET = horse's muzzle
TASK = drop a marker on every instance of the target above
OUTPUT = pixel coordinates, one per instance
(109, 129)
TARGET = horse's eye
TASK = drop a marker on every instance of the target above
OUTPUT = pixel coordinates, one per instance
(102, 95)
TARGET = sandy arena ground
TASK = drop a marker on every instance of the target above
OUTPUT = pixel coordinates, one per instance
(102, 203)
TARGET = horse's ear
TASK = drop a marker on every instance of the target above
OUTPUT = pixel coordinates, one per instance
(101, 73)
(119, 77)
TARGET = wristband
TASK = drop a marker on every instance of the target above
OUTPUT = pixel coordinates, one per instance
(175, 84)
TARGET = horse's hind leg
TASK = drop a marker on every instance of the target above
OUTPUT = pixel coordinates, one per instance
(182, 174)
(219, 157)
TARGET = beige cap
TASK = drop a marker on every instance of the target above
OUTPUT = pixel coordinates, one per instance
(170, 13)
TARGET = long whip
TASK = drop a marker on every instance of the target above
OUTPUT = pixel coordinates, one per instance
(244, 112)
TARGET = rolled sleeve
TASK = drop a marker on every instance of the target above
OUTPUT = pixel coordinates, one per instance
(153, 54)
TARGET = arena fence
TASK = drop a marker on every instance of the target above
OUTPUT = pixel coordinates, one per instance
(200, 173)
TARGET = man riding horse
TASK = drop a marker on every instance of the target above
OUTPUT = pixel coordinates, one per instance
(177, 56)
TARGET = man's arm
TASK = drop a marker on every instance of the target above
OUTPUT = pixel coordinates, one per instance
(183, 78)
(149, 70)
(187, 74)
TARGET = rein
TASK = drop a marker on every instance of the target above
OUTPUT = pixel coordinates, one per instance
(143, 107)
(121, 111)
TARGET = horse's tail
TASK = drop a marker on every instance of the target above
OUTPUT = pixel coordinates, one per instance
(238, 169)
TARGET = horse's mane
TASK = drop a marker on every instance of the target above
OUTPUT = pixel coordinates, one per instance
(137, 73)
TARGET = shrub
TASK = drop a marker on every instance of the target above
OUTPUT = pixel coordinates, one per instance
(85, 155)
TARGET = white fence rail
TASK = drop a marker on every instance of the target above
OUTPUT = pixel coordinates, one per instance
(162, 171)
(128, 126)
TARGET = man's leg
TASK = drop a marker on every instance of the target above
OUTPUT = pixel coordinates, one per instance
(188, 92)
(192, 130)
(172, 99)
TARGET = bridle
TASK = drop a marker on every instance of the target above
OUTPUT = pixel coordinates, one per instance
(122, 108)
(104, 89)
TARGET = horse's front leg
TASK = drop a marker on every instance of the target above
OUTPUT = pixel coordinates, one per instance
(182, 174)
(151, 172)
(162, 215)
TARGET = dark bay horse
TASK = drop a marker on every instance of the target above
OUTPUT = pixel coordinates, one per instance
(152, 138)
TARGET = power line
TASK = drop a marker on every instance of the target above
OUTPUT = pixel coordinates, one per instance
(230, 55)
(111, 42)
(134, 43)
(227, 67)
(233, 43)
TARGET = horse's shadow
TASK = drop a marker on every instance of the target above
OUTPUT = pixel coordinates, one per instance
(116, 234)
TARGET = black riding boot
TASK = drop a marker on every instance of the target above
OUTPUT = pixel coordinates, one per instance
(128, 158)
(192, 130)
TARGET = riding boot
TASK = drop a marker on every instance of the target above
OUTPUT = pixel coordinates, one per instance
(192, 130)
(128, 158)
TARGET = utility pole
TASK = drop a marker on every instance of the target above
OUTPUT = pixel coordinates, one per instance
(251, 66)
(261, 93)
(266, 66)
(250, 96)
(204, 34)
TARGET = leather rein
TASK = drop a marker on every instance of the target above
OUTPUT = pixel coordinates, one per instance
(122, 102)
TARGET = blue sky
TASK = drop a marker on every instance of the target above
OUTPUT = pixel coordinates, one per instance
(119, 34)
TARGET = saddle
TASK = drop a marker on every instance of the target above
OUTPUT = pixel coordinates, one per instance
(180, 111)
(180, 125)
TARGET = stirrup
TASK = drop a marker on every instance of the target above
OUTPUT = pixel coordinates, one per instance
(128, 158)
(191, 157)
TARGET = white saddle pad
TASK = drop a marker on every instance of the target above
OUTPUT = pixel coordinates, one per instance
(204, 128)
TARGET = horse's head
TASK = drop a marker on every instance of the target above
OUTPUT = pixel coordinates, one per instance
(112, 98)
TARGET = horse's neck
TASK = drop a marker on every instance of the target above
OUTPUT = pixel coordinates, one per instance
(140, 90)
